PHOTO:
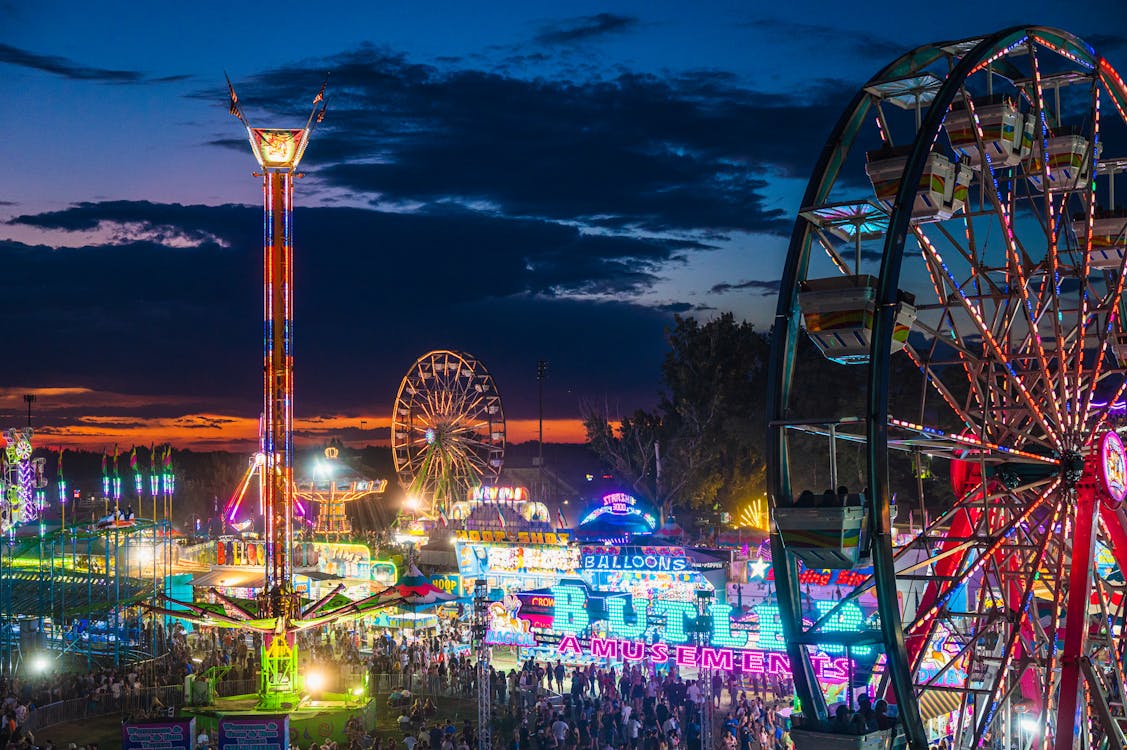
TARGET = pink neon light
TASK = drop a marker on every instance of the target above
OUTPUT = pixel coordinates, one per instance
(1113, 466)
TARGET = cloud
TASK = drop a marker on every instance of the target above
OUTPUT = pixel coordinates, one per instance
(765, 288)
(817, 36)
(683, 307)
(582, 28)
(1104, 43)
(374, 290)
(67, 68)
(690, 153)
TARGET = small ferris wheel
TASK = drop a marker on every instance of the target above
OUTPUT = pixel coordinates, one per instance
(448, 429)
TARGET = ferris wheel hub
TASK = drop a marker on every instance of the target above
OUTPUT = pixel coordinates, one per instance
(1071, 467)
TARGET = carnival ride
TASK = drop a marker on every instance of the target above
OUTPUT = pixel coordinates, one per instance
(75, 591)
(279, 612)
(448, 431)
(998, 279)
(331, 487)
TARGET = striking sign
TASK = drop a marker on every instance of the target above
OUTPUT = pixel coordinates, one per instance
(620, 504)
(451, 583)
(1113, 466)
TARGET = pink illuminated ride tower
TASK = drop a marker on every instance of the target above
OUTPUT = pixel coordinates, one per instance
(278, 152)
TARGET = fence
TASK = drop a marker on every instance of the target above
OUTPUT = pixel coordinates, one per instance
(135, 703)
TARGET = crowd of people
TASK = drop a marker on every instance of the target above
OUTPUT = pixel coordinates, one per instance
(540, 705)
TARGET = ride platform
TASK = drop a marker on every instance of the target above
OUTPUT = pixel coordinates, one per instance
(325, 717)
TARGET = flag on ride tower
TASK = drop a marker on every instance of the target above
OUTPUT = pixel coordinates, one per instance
(442, 515)
(138, 476)
(61, 481)
(116, 474)
(561, 522)
(500, 516)
(234, 108)
(154, 475)
(105, 475)
(321, 94)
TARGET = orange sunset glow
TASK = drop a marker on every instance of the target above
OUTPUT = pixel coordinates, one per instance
(86, 419)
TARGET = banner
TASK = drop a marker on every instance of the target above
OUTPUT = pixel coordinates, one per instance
(166, 734)
(268, 732)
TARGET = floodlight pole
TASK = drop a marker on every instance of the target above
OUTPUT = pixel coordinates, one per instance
(484, 697)
(541, 373)
(704, 674)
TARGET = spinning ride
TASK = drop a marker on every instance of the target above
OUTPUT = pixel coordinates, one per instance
(331, 486)
(998, 287)
(448, 430)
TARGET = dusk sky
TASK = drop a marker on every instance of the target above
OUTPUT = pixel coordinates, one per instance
(520, 181)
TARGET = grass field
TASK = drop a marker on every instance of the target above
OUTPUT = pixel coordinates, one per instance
(106, 730)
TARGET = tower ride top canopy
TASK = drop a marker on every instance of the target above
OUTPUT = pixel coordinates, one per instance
(973, 291)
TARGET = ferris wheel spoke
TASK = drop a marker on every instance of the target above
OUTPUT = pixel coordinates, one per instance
(962, 442)
(993, 346)
(1000, 538)
(1009, 651)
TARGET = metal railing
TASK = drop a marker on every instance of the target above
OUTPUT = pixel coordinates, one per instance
(144, 702)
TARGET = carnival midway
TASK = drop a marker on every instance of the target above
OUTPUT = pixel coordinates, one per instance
(492, 615)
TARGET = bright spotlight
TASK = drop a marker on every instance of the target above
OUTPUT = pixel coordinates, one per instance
(358, 692)
(411, 503)
(40, 664)
(314, 681)
(1029, 724)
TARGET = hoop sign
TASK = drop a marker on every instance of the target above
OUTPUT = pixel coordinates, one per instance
(1113, 466)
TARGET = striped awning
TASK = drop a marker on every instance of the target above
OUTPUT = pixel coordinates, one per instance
(936, 703)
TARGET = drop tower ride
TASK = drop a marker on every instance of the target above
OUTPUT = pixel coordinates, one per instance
(278, 152)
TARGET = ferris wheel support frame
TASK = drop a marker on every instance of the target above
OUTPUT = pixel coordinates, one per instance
(782, 364)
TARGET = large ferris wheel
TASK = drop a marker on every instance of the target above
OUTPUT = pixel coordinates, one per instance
(448, 429)
(981, 281)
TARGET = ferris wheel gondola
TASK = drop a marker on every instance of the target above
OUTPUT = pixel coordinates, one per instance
(995, 308)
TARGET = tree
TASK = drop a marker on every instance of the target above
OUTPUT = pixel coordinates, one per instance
(702, 447)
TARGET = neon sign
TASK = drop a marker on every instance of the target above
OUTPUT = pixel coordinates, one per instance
(505, 628)
(826, 668)
(629, 562)
(483, 494)
(520, 537)
(1113, 466)
(677, 620)
(620, 504)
